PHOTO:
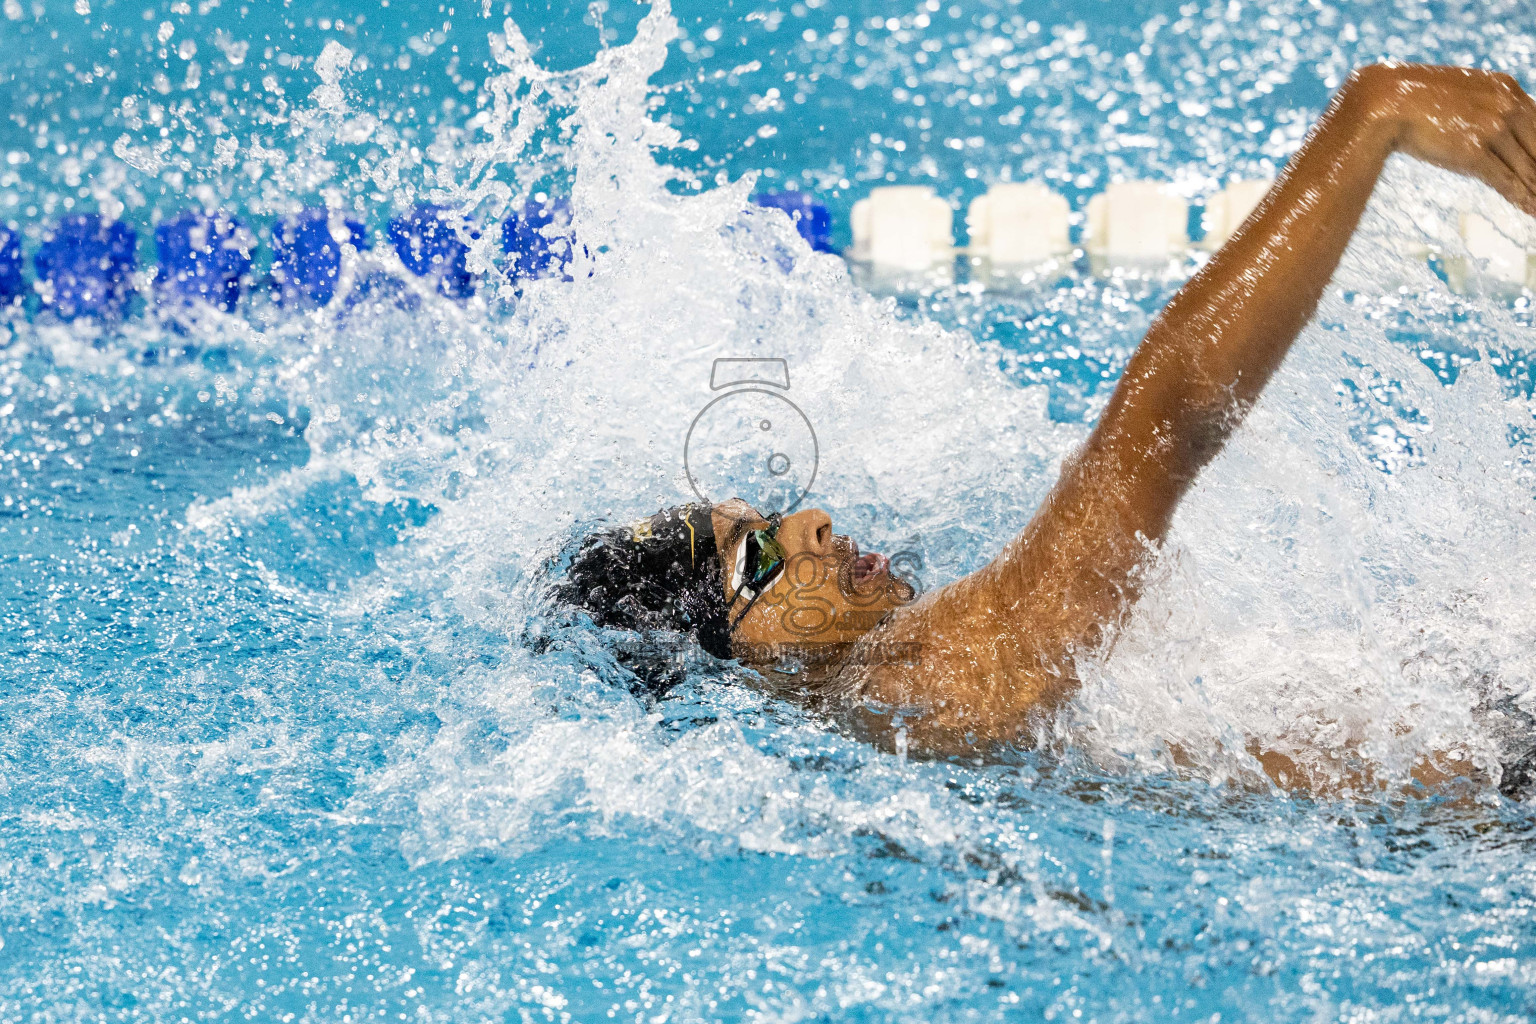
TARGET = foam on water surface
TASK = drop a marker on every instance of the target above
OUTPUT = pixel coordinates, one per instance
(290, 730)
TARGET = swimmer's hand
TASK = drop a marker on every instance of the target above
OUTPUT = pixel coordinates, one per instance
(1473, 122)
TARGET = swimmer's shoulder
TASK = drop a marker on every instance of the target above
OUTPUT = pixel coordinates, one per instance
(953, 671)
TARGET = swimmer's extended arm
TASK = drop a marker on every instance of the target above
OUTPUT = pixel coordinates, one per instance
(998, 643)
(1211, 350)
(1214, 346)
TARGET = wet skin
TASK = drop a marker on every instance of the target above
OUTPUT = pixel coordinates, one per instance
(996, 648)
(829, 595)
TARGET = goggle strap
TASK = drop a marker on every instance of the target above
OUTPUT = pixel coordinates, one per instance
(750, 602)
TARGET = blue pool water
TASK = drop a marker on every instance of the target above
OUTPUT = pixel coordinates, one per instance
(288, 733)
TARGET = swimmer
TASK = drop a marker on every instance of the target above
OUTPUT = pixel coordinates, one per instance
(968, 667)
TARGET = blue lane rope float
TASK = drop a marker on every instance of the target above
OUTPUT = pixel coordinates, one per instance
(85, 267)
(13, 286)
(203, 257)
(811, 218)
(306, 255)
(377, 287)
(428, 245)
(538, 240)
(85, 264)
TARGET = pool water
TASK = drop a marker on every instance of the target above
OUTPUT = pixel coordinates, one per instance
(288, 731)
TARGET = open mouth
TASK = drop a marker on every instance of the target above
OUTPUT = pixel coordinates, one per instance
(861, 570)
(869, 567)
(867, 574)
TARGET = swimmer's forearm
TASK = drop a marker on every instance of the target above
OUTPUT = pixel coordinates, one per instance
(1237, 318)
(1211, 350)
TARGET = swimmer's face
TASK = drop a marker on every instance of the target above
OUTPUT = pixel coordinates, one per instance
(828, 593)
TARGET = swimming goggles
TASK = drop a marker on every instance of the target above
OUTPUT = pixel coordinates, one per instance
(760, 560)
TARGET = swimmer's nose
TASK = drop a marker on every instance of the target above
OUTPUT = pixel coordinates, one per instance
(810, 530)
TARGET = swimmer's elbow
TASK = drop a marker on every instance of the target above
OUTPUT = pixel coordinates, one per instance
(1201, 433)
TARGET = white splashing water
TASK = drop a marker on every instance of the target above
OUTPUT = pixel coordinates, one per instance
(1307, 602)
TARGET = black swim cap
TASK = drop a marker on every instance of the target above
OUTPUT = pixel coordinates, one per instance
(657, 573)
